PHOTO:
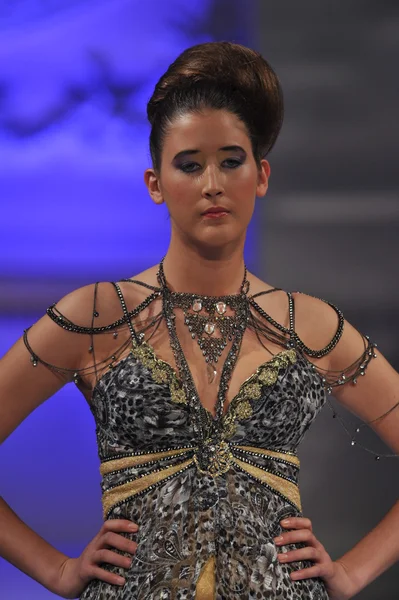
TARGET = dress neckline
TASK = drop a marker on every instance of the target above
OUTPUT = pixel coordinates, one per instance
(161, 364)
(194, 396)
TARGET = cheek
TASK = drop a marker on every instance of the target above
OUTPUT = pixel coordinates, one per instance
(243, 180)
(243, 193)
(178, 188)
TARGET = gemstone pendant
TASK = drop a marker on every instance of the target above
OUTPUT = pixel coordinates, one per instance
(221, 307)
(209, 328)
(197, 305)
(211, 371)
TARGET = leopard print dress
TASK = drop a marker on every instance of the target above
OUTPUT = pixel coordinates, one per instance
(207, 517)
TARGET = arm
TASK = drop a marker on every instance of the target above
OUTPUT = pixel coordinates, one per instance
(27, 551)
(374, 394)
(23, 387)
(363, 563)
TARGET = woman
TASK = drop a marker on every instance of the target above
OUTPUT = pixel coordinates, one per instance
(202, 378)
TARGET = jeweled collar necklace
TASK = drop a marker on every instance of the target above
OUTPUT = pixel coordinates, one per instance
(205, 316)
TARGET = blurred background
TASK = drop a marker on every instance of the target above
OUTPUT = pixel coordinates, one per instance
(75, 77)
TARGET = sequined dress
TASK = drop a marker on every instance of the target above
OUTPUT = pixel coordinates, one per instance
(208, 513)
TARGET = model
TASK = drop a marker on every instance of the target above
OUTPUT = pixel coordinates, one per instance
(202, 379)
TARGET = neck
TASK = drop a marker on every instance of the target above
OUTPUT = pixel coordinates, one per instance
(191, 272)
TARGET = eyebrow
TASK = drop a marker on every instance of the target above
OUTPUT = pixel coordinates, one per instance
(194, 151)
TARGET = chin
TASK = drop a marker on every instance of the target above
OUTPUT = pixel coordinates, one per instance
(217, 241)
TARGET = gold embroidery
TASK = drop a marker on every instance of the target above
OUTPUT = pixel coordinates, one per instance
(268, 376)
(243, 410)
(265, 374)
(159, 375)
(288, 489)
(214, 458)
(161, 371)
(250, 390)
(137, 460)
(131, 488)
(287, 456)
(206, 586)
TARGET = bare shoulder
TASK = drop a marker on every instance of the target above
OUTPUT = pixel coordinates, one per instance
(52, 349)
(316, 320)
(77, 305)
(93, 305)
(321, 325)
(61, 336)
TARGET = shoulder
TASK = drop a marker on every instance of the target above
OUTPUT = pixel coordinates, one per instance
(63, 337)
(103, 300)
(320, 324)
(91, 305)
(79, 311)
(317, 321)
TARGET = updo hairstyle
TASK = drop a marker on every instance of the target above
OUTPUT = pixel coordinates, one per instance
(218, 75)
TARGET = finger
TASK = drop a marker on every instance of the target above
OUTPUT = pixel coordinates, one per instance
(315, 571)
(114, 540)
(292, 537)
(307, 553)
(120, 525)
(108, 577)
(112, 558)
(297, 523)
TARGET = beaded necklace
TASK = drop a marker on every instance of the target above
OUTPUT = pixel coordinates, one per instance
(203, 326)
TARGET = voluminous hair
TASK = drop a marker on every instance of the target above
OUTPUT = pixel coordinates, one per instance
(222, 76)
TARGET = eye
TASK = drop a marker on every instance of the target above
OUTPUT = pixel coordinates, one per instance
(189, 167)
(233, 163)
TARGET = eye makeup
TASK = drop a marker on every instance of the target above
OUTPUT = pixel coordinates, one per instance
(184, 153)
(231, 162)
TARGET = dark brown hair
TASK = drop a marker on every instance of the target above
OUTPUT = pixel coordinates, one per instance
(219, 75)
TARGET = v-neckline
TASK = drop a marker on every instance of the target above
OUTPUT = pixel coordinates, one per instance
(213, 418)
(160, 361)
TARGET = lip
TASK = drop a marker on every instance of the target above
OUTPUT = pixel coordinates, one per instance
(215, 210)
(215, 215)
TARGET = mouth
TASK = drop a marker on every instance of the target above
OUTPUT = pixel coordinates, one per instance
(215, 211)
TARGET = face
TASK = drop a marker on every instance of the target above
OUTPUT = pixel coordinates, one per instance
(207, 161)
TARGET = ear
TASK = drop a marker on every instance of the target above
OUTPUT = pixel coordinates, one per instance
(263, 178)
(151, 179)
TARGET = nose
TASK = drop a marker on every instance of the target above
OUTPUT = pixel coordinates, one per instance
(212, 184)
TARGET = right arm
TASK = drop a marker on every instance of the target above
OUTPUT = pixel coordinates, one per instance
(23, 387)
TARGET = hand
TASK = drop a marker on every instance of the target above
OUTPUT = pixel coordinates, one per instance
(337, 581)
(76, 573)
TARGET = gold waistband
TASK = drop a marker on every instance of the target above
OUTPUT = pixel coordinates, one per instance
(139, 460)
(118, 494)
(276, 454)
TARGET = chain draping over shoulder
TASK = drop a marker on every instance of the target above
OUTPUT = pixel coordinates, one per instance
(108, 339)
(330, 378)
(111, 341)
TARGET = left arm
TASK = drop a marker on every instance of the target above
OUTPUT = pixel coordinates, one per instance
(374, 394)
